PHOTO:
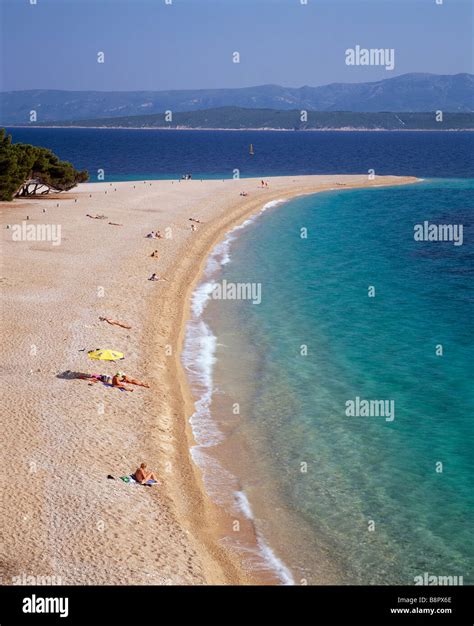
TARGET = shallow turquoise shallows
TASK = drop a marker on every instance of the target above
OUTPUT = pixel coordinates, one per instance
(385, 500)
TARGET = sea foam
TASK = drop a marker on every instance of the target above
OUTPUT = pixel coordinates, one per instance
(198, 358)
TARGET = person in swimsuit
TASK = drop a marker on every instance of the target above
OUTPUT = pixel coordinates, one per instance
(131, 381)
(116, 382)
(143, 476)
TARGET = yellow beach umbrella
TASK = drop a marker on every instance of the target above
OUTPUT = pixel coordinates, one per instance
(105, 355)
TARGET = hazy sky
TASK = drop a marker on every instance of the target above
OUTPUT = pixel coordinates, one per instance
(150, 45)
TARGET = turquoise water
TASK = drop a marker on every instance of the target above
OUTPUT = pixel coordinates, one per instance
(360, 491)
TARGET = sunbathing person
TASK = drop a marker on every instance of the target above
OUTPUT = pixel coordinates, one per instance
(92, 378)
(108, 380)
(113, 322)
(116, 383)
(154, 254)
(142, 475)
(156, 277)
(131, 381)
(96, 378)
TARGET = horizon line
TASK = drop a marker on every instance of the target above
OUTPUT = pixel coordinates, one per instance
(238, 88)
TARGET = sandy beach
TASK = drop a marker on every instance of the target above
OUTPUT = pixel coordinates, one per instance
(61, 516)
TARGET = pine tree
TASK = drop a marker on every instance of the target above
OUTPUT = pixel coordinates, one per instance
(25, 169)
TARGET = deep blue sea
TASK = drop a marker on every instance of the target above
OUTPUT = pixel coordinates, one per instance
(355, 309)
(153, 154)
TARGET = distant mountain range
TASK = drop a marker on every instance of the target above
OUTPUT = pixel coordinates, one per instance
(406, 93)
(240, 118)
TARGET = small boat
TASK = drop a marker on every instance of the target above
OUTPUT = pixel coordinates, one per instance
(251, 152)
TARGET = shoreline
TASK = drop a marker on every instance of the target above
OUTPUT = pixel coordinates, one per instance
(184, 382)
(65, 434)
(304, 130)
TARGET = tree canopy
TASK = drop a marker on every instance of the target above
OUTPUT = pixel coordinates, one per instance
(25, 169)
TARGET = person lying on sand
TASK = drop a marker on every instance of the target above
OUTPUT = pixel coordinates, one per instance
(142, 475)
(192, 219)
(108, 380)
(131, 381)
(155, 277)
(116, 383)
(114, 322)
(193, 227)
(115, 224)
(154, 254)
(151, 235)
(96, 378)
(97, 217)
(244, 193)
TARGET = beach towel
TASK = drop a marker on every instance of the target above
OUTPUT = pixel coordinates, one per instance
(130, 479)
